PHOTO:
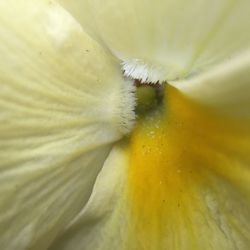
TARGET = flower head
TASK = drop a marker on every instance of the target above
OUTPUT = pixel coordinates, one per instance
(91, 160)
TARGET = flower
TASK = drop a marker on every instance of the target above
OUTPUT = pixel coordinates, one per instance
(78, 170)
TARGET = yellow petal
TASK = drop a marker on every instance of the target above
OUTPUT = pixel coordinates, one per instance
(167, 40)
(63, 102)
(189, 180)
(186, 187)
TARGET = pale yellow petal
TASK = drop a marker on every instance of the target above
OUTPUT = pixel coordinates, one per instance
(95, 224)
(225, 88)
(63, 102)
(165, 40)
(201, 47)
(186, 187)
(81, 10)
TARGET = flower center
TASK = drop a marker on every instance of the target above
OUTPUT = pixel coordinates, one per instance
(138, 100)
(149, 98)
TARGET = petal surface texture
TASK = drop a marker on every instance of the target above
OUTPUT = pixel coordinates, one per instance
(165, 40)
(226, 87)
(63, 102)
(81, 10)
(186, 186)
(200, 47)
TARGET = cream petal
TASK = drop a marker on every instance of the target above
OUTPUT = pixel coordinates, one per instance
(94, 224)
(181, 185)
(165, 40)
(200, 47)
(225, 88)
(63, 102)
(212, 215)
(81, 10)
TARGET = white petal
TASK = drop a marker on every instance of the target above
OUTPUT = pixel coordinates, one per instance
(225, 87)
(166, 40)
(201, 47)
(63, 102)
(93, 226)
(81, 10)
